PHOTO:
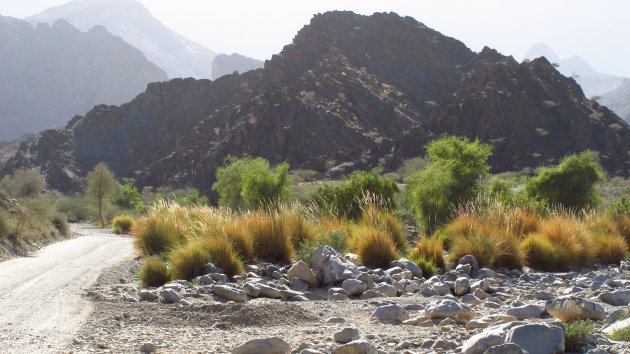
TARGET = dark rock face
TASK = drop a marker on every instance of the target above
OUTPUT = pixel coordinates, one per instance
(350, 92)
(50, 73)
(224, 64)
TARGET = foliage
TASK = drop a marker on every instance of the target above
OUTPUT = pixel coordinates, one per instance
(491, 246)
(344, 198)
(452, 176)
(156, 234)
(128, 197)
(429, 249)
(386, 221)
(428, 265)
(154, 272)
(74, 207)
(100, 185)
(241, 240)
(375, 247)
(122, 224)
(571, 184)
(24, 183)
(251, 183)
(623, 226)
(60, 222)
(620, 207)
(620, 334)
(189, 260)
(4, 225)
(576, 333)
(611, 248)
(272, 242)
(223, 255)
(542, 254)
(192, 197)
(334, 238)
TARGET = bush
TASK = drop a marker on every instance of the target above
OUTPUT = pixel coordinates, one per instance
(298, 228)
(344, 199)
(429, 249)
(272, 243)
(334, 238)
(100, 185)
(571, 184)
(75, 208)
(222, 255)
(60, 222)
(156, 234)
(192, 197)
(543, 255)
(611, 248)
(122, 224)
(491, 248)
(128, 198)
(428, 266)
(452, 176)
(623, 226)
(189, 260)
(373, 216)
(25, 183)
(241, 240)
(620, 334)
(576, 333)
(375, 247)
(570, 236)
(249, 183)
(154, 272)
(4, 226)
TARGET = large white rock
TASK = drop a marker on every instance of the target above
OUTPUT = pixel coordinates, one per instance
(571, 308)
(273, 345)
(331, 266)
(354, 287)
(448, 308)
(495, 335)
(526, 311)
(389, 314)
(537, 338)
(356, 347)
(301, 271)
(229, 293)
(616, 298)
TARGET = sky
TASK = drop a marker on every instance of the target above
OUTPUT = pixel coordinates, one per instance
(597, 30)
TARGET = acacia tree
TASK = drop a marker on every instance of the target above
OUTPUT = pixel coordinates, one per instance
(100, 184)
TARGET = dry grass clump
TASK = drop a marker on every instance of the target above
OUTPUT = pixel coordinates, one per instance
(623, 226)
(241, 240)
(374, 247)
(521, 222)
(375, 217)
(611, 249)
(429, 248)
(223, 255)
(492, 247)
(4, 226)
(60, 222)
(154, 235)
(298, 228)
(570, 235)
(428, 266)
(272, 242)
(154, 272)
(542, 254)
(122, 224)
(188, 260)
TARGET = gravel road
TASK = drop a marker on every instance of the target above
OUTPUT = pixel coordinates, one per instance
(42, 297)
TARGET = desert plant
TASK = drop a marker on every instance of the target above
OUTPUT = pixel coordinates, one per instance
(576, 333)
(298, 228)
(25, 183)
(491, 247)
(154, 272)
(128, 198)
(75, 208)
(241, 240)
(429, 248)
(374, 216)
(272, 243)
(122, 224)
(542, 254)
(611, 248)
(100, 185)
(623, 226)
(222, 255)
(188, 260)
(428, 266)
(192, 197)
(374, 247)
(620, 334)
(572, 237)
(4, 225)
(60, 222)
(155, 234)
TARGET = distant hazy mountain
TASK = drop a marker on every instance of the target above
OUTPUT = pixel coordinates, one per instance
(592, 82)
(619, 100)
(178, 56)
(224, 64)
(50, 73)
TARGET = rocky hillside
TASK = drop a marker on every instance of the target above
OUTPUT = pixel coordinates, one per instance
(130, 20)
(619, 100)
(224, 64)
(350, 92)
(50, 73)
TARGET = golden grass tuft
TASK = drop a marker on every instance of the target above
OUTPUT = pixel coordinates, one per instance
(374, 247)
(623, 226)
(572, 237)
(122, 224)
(491, 247)
(428, 266)
(611, 248)
(430, 249)
(241, 240)
(542, 254)
(154, 235)
(521, 222)
(272, 243)
(386, 221)
(298, 228)
(223, 255)
(189, 260)
(154, 272)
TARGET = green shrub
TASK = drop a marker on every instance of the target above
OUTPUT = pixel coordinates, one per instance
(542, 254)
(154, 272)
(429, 249)
(75, 208)
(620, 334)
(374, 247)
(571, 184)
(25, 183)
(128, 198)
(333, 238)
(575, 334)
(298, 228)
(192, 197)
(251, 183)
(451, 177)
(122, 224)
(189, 260)
(100, 185)
(428, 265)
(60, 222)
(4, 226)
(344, 199)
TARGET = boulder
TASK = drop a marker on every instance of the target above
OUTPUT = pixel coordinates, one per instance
(170, 296)
(448, 308)
(229, 293)
(301, 271)
(148, 347)
(251, 289)
(389, 314)
(406, 264)
(492, 336)
(537, 338)
(269, 292)
(571, 308)
(146, 295)
(346, 335)
(356, 347)
(470, 260)
(616, 298)
(354, 287)
(332, 267)
(386, 289)
(507, 348)
(526, 311)
(273, 345)
(462, 286)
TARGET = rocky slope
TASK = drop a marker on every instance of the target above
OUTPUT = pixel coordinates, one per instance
(50, 73)
(350, 92)
(224, 64)
(619, 100)
(593, 83)
(130, 20)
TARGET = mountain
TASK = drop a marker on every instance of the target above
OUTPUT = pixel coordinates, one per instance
(593, 83)
(50, 73)
(224, 64)
(351, 92)
(619, 100)
(131, 21)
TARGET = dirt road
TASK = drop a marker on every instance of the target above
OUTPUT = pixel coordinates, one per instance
(42, 302)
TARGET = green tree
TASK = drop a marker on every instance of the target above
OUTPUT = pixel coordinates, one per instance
(344, 198)
(456, 166)
(250, 183)
(192, 197)
(100, 184)
(128, 197)
(24, 183)
(571, 184)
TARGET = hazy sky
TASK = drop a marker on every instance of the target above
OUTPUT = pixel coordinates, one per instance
(597, 30)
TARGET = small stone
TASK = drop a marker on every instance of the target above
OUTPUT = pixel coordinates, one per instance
(470, 260)
(448, 308)
(211, 268)
(386, 289)
(146, 295)
(273, 345)
(338, 297)
(354, 287)
(335, 320)
(390, 314)
(356, 347)
(346, 335)
(298, 285)
(616, 298)
(508, 348)
(251, 289)
(148, 347)
(229, 293)
(526, 311)
(370, 294)
(170, 296)
(269, 292)
(462, 286)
